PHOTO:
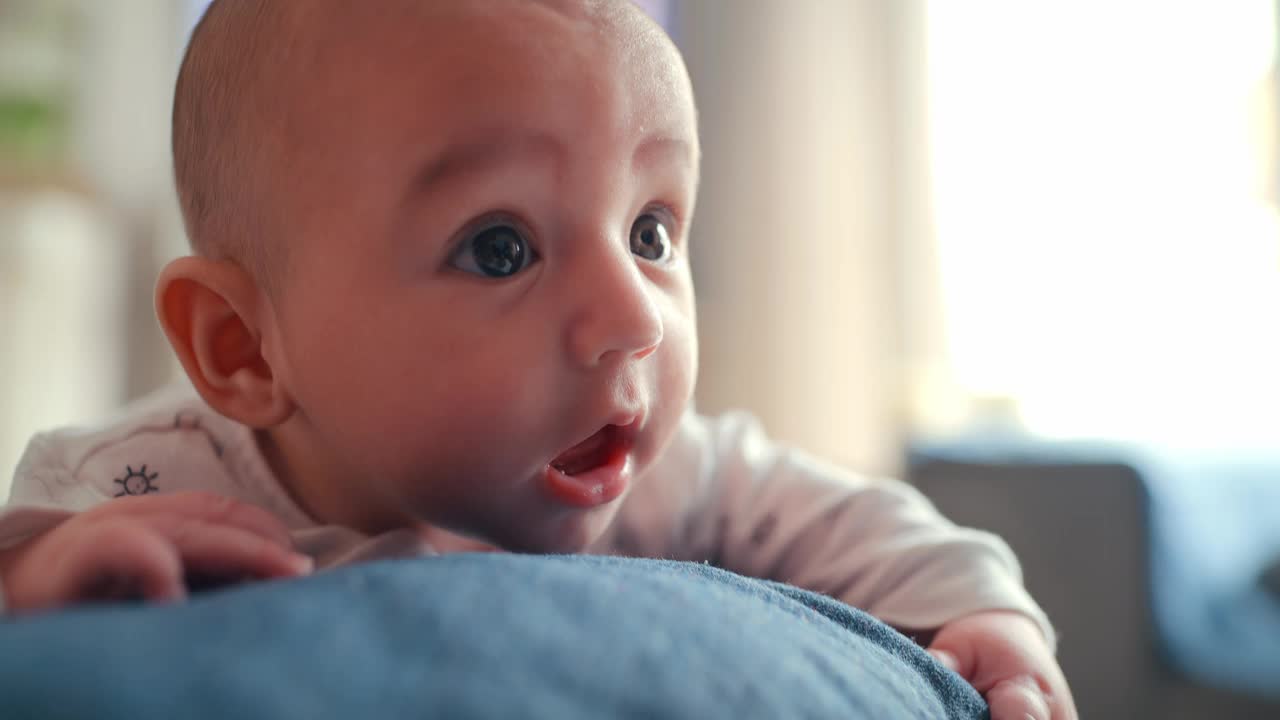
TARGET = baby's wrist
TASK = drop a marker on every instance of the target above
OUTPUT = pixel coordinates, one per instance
(1007, 622)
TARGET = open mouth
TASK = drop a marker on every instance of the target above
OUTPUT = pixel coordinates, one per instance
(594, 472)
(598, 450)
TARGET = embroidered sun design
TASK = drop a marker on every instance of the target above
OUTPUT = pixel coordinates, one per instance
(136, 482)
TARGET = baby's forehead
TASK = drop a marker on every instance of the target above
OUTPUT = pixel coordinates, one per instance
(448, 23)
(484, 62)
(439, 48)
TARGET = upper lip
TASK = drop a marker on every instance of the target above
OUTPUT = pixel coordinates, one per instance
(626, 424)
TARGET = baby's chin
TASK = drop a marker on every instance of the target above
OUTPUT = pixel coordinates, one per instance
(528, 518)
(569, 534)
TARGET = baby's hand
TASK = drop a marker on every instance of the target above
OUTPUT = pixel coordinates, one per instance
(147, 547)
(1006, 657)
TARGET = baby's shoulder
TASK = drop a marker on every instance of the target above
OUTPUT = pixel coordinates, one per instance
(167, 441)
(728, 433)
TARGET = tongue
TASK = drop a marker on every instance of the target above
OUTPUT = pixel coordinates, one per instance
(584, 456)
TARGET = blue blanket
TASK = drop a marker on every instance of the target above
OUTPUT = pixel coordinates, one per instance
(480, 636)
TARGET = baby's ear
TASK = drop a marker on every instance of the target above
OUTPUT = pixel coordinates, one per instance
(212, 313)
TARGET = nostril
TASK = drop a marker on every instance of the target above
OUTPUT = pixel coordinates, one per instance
(642, 354)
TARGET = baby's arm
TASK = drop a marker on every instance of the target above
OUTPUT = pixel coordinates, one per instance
(64, 538)
(735, 498)
(147, 547)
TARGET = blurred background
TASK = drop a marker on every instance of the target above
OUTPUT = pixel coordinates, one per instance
(1025, 253)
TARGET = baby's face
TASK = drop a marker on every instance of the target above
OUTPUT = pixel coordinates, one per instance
(487, 320)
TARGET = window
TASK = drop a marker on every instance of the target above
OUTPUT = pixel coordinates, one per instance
(1104, 181)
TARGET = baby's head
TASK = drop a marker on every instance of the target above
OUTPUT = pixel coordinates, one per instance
(441, 255)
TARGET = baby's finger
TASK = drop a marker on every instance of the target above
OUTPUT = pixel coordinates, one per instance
(208, 507)
(210, 549)
(946, 658)
(123, 561)
(1018, 698)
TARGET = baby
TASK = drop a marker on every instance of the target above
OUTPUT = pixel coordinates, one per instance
(440, 301)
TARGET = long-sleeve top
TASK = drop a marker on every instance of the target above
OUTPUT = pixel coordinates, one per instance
(721, 492)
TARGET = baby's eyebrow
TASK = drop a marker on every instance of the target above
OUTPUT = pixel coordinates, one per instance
(485, 150)
(656, 149)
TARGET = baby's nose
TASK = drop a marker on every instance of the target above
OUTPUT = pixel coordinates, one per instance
(616, 316)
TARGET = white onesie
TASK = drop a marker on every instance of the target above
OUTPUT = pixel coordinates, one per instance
(722, 492)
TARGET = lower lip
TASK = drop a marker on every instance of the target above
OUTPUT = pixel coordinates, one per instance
(598, 486)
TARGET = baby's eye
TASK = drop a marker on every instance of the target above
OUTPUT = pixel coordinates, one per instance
(649, 238)
(498, 251)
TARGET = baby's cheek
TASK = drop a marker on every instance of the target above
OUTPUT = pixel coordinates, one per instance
(673, 383)
(680, 342)
(680, 363)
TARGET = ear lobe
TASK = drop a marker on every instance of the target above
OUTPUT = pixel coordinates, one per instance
(210, 311)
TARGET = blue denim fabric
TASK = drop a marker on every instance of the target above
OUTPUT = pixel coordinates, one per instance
(479, 636)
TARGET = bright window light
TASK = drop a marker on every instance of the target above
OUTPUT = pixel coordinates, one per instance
(1105, 196)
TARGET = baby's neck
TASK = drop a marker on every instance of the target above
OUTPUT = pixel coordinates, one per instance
(313, 482)
(312, 491)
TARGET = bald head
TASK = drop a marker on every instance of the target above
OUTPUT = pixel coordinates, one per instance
(221, 126)
(255, 70)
